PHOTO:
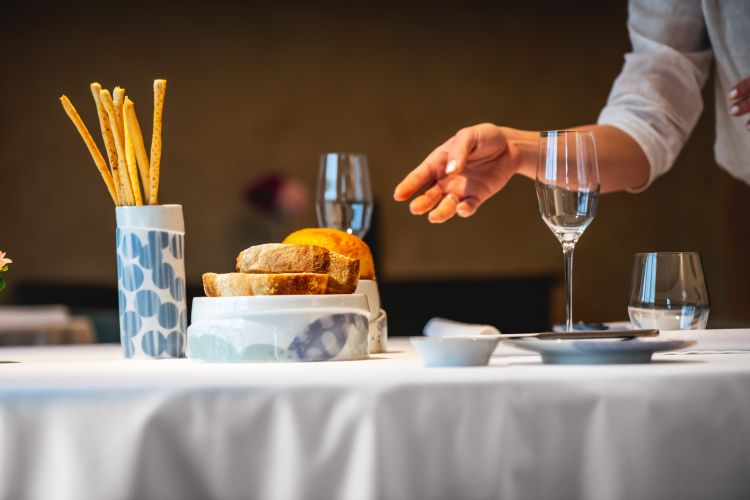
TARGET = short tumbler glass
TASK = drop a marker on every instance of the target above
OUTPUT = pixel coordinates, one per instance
(668, 291)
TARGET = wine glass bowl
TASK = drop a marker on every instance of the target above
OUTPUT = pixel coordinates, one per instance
(567, 188)
(344, 196)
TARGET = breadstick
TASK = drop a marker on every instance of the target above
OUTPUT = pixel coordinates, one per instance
(130, 157)
(101, 165)
(134, 129)
(109, 141)
(118, 100)
(160, 87)
(126, 193)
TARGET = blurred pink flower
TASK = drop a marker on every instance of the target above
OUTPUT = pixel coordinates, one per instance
(293, 197)
(275, 194)
(3, 260)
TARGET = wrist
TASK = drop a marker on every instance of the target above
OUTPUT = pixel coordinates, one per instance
(523, 150)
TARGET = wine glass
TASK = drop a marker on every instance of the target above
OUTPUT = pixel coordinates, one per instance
(668, 291)
(344, 198)
(567, 187)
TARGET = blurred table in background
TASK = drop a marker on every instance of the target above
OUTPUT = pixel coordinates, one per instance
(44, 325)
(81, 422)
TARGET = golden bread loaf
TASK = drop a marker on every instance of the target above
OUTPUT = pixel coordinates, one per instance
(242, 284)
(340, 242)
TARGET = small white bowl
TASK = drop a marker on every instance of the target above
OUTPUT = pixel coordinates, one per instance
(473, 350)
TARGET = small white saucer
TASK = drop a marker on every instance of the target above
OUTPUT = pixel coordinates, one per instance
(599, 351)
(465, 350)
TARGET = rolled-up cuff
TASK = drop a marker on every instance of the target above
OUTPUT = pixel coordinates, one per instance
(642, 135)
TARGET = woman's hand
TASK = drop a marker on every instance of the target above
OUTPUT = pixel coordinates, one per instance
(467, 169)
(739, 99)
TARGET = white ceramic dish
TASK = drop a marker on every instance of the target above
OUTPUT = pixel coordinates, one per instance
(599, 351)
(288, 328)
(370, 289)
(464, 350)
(378, 335)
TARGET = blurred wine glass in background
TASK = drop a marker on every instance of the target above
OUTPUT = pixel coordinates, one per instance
(344, 197)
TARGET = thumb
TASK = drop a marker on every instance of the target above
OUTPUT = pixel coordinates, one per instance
(458, 152)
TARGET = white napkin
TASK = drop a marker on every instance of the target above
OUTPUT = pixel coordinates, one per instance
(441, 327)
(711, 341)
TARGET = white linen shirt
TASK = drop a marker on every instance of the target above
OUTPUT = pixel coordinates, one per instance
(656, 99)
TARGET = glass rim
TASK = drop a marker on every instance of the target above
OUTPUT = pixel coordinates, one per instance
(640, 254)
(546, 133)
(343, 153)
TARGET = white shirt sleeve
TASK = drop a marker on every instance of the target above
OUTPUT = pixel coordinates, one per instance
(656, 99)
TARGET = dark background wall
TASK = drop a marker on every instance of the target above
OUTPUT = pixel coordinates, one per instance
(255, 88)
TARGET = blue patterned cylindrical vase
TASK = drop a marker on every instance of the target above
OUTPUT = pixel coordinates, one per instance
(151, 281)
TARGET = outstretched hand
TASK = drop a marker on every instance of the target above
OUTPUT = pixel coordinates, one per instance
(466, 170)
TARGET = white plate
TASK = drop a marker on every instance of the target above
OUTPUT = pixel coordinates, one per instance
(604, 351)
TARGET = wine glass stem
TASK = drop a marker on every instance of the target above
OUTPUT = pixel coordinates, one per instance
(568, 256)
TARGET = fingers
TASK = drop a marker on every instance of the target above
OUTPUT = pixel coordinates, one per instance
(468, 206)
(740, 107)
(462, 144)
(445, 210)
(422, 176)
(427, 200)
(741, 89)
(413, 182)
(739, 98)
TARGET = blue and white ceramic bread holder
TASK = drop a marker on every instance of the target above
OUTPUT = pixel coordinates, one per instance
(151, 281)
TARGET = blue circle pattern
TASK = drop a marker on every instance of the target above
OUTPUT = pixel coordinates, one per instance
(128, 347)
(175, 246)
(131, 246)
(132, 278)
(163, 276)
(177, 288)
(153, 343)
(175, 344)
(168, 315)
(131, 323)
(122, 300)
(183, 320)
(148, 303)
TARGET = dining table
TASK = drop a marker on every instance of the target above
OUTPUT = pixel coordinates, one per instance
(80, 422)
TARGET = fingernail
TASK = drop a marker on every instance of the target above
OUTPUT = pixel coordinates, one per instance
(734, 110)
(451, 167)
(733, 93)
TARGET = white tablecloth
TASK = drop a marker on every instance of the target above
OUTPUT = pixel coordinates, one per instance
(79, 422)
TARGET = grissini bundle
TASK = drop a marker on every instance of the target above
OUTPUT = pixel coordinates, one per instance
(123, 141)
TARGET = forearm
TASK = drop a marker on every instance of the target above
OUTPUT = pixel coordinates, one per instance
(622, 163)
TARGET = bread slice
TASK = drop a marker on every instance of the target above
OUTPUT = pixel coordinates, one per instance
(343, 271)
(337, 241)
(241, 284)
